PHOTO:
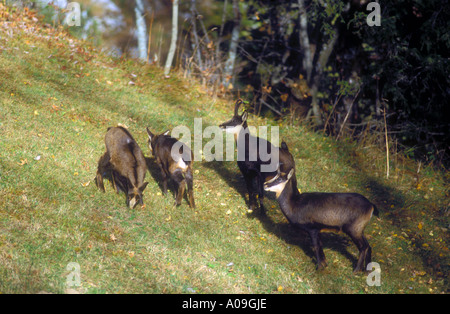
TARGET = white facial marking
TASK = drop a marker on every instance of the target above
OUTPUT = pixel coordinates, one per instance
(278, 188)
(133, 202)
(233, 130)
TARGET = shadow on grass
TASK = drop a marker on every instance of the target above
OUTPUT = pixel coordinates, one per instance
(297, 237)
(154, 171)
(283, 230)
(399, 208)
(232, 177)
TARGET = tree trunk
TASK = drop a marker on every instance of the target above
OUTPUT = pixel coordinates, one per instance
(141, 29)
(173, 43)
(304, 40)
(325, 53)
(219, 37)
(229, 64)
(197, 48)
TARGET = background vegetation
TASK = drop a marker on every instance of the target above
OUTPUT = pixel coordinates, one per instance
(317, 60)
(57, 97)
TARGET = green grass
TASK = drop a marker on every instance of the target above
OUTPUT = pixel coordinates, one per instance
(59, 95)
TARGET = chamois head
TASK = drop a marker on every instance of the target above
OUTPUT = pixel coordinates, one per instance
(278, 183)
(134, 195)
(285, 171)
(152, 140)
(237, 122)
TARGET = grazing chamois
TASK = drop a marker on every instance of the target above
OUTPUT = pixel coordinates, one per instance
(175, 160)
(124, 164)
(250, 160)
(314, 212)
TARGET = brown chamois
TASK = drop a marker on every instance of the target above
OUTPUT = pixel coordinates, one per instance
(257, 157)
(175, 160)
(124, 164)
(314, 212)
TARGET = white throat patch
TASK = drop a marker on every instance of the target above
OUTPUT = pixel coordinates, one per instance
(181, 164)
(233, 130)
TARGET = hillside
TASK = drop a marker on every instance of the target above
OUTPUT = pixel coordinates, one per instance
(58, 96)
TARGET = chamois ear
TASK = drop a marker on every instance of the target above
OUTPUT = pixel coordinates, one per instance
(238, 103)
(142, 188)
(244, 116)
(291, 173)
(150, 134)
(284, 146)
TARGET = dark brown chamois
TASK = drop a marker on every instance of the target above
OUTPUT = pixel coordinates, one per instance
(314, 212)
(123, 164)
(175, 160)
(257, 157)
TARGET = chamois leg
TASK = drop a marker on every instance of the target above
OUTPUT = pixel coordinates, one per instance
(181, 186)
(99, 181)
(249, 180)
(164, 178)
(113, 181)
(365, 251)
(317, 247)
(260, 184)
(103, 166)
(368, 257)
(190, 188)
(119, 182)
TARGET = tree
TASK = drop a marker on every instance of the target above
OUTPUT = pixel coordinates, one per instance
(173, 43)
(232, 53)
(141, 30)
(304, 39)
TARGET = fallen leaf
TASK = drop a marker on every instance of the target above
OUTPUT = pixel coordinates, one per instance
(23, 162)
(419, 273)
(86, 183)
(112, 237)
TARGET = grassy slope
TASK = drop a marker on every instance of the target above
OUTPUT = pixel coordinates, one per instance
(57, 98)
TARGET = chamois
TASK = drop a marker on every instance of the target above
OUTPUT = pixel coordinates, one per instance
(314, 212)
(174, 163)
(124, 164)
(250, 161)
